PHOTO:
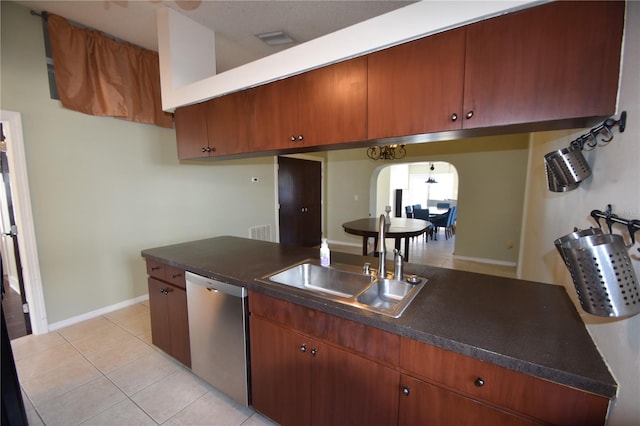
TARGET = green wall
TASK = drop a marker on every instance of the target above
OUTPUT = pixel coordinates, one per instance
(492, 175)
(103, 189)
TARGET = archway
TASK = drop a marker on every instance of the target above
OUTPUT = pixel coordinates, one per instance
(425, 183)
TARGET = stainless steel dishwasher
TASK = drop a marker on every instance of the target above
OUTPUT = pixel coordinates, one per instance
(218, 325)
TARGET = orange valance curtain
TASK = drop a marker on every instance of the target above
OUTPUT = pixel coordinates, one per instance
(100, 76)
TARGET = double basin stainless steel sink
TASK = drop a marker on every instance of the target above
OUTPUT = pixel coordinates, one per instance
(349, 285)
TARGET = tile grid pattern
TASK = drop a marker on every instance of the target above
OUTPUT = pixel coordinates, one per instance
(105, 371)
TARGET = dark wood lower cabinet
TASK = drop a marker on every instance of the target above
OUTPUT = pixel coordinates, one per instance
(426, 404)
(298, 380)
(351, 390)
(280, 373)
(169, 320)
(313, 368)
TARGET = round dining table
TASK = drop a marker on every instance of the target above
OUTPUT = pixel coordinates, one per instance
(398, 229)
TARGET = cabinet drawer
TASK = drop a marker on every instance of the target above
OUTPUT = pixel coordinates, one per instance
(506, 388)
(156, 269)
(176, 277)
(376, 343)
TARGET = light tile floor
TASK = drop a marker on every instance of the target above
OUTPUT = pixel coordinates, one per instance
(105, 371)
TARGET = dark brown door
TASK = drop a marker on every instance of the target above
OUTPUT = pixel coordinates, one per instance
(300, 199)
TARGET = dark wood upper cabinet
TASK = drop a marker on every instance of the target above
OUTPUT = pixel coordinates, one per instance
(218, 127)
(536, 65)
(555, 61)
(320, 107)
(229, 123)
(332, 103)
(276, 115)
(191, 131)
(546, 67)
(416, 87)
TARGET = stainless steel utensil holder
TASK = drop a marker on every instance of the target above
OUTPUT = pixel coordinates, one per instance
(576, 234)
(552, 182)
(602, 274)
(566, 168)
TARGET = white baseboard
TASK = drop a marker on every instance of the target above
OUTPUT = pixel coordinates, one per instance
(97, 313)
(489, 261)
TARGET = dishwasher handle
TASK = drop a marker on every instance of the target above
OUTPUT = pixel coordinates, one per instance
(215, 285)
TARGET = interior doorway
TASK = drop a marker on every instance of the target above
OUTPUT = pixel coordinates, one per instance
(428, 184)
(14, 299)
(300, 201)
(25, 231)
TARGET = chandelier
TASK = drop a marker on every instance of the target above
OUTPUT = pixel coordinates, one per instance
(431, 179)
(386, 152)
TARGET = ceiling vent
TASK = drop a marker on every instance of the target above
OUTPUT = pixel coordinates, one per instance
(276, 38)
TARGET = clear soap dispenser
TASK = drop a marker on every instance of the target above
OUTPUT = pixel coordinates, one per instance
(325, 253)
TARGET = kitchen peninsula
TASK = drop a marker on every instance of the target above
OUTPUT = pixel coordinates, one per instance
(521, 345)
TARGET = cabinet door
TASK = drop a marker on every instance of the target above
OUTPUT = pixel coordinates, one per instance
(276, 116)
(532, 396)
(191, 131)
(351, 390)
(159, 312)
(559, 60)
(179, 324)
(229, 122)
(280, 373)
(424, 404)
(332, 103)
(417, 87)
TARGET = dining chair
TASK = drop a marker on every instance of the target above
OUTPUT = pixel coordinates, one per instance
(409, 211)
(424, 215)
(442, 221)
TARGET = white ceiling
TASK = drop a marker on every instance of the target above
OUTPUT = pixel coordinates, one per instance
(235, 22)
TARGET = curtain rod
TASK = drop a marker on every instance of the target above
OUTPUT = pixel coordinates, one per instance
(42, 14)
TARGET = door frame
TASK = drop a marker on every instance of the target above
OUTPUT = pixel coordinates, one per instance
(24, 220)
(277, 195)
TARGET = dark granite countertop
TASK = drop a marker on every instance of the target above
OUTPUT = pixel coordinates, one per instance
(529, 327)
